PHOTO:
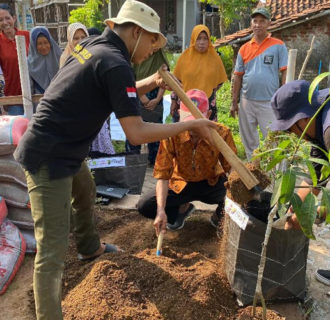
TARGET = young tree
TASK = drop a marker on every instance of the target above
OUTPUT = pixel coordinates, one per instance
(229, 10)
(289, 152)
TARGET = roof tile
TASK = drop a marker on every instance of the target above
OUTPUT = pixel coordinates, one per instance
(283, 12)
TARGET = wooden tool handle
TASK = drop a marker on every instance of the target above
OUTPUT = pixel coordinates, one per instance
(160, 243)
(246, 176)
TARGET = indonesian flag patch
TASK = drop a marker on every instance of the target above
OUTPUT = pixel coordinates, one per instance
(131, 92)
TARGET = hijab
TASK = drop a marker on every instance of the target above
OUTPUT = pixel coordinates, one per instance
(72, 28)
(151, 65)
(203, 71)
(42, 69)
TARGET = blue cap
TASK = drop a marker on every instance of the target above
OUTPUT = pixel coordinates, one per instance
(290, 104)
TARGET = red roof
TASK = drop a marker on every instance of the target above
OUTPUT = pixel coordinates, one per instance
(284, 13)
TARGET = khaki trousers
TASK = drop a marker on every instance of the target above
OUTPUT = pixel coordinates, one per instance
(53, 202)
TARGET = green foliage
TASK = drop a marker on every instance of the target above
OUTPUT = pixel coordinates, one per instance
(227, 54)
(172, 58)
(230, 9)
(119, 146)
(213, 39)
(288, 157)
(89, 14)
(224, 99)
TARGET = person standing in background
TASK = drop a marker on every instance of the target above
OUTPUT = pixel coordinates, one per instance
(256, 79)
(152, 102)
(8, 55)
(199, 67)
(75, 33)
(43, 59)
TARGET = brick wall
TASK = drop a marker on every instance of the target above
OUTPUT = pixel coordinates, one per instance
(300, 36)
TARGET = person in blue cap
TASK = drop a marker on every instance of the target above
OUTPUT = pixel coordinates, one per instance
(293, 112)
(256, 78)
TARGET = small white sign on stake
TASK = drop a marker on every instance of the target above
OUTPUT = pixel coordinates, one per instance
(236, 213)
(106, 162)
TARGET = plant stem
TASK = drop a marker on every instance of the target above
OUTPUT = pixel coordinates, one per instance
(258, 292)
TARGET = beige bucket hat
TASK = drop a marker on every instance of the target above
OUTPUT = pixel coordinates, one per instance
(140, 14)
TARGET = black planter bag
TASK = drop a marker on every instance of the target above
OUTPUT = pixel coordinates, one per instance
(131, 176)
(286, 261)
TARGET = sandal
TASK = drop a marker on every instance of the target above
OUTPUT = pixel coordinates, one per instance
(109, 248)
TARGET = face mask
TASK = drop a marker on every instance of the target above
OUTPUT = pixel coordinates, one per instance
(136, 45)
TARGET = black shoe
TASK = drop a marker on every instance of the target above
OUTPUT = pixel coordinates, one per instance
(323, 276)
(179, 222)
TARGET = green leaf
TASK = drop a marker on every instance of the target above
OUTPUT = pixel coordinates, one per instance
(258, 155)
(312, 172)
(320, 161)
(325, 173)
(276, 192)
(282, 147)
(315, 83)
(275, 161)
(326, 153)
(325, 202)
(300, 172)
(306, 213)
(287, 188)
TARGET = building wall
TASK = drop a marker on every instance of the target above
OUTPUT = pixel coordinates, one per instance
(300, 37)
(192, 18)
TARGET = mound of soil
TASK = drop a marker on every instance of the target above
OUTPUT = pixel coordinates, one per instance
(186, 282)
(246, 314)
(236, 189)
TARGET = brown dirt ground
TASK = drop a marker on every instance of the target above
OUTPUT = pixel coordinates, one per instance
(185, 283)
(246, 314)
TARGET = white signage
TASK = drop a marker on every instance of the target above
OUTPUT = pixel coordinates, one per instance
(106, 162)
(236, 213)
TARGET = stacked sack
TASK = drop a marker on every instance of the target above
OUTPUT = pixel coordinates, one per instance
(15, 202)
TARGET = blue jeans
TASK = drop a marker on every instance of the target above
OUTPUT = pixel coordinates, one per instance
(15, 110)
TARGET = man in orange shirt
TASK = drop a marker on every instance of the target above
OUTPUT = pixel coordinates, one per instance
(187, 168)
(256, 80)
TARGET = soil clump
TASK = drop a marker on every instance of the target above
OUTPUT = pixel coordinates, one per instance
(236, 189)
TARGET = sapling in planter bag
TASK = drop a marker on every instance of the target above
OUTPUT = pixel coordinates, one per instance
(286, 259)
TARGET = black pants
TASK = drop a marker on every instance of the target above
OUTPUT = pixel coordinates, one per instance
(200, 191)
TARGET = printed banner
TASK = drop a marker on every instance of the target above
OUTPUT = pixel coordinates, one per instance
(106, 162)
